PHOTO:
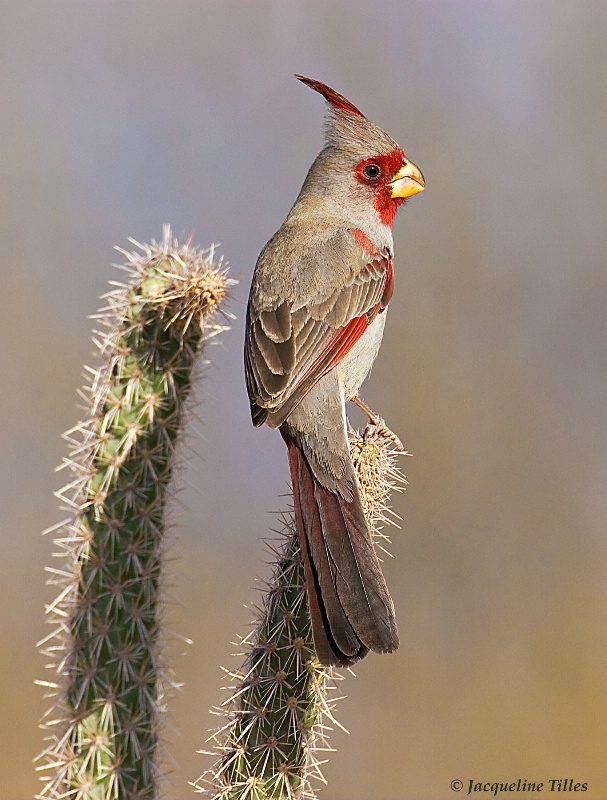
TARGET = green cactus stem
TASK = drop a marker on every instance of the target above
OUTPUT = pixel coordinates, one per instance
(280, 710)
(107, 688)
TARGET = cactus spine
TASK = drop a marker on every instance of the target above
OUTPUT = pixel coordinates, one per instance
(104, 649)
(280, 710)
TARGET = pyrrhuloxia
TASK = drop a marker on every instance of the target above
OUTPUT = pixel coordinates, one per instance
(315, 321)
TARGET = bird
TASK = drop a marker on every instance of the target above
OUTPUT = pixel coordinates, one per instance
(315, 321)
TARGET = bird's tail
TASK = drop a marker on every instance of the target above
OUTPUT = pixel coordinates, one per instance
(350, 606)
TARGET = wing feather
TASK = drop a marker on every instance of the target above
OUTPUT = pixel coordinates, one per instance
(290, 345)
(276, 322)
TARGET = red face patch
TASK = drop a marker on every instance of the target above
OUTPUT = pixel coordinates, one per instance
(377, 172)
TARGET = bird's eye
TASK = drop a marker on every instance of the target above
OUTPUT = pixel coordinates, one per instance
(371, 171)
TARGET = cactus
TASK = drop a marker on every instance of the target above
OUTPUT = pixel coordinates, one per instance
(104, 648)
(280, 710)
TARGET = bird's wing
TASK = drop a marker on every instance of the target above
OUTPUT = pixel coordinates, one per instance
(291, 344)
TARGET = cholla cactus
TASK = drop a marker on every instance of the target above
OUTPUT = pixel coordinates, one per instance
(280, 708)
(108, 694)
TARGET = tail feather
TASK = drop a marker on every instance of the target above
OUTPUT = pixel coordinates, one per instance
(347, 649)
(350, 607)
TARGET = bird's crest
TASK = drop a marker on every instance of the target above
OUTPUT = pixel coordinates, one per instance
(345, 125)
(335, 99)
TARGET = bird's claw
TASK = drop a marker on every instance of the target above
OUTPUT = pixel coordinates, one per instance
(377, 426)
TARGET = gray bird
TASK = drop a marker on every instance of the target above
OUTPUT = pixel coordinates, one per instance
(315, 321)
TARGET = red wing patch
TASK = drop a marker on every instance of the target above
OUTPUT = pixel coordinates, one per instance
(364, 241)
(388, 286)
(367, 245)
(345, 338)
(340, 344)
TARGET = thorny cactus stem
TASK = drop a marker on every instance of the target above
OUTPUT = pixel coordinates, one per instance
(279, 714)
(103, 727)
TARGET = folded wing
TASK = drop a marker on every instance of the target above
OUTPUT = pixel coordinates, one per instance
(293, 343)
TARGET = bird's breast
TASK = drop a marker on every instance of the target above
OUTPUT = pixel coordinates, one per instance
(356, 364)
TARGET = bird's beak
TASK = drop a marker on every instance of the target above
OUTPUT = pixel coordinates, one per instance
(407, 181)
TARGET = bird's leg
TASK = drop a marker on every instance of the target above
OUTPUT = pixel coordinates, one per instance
(377, 424)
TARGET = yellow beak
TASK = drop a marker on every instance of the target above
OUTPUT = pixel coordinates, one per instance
(407, 181)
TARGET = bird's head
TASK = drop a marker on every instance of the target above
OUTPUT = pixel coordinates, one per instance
(363, 163)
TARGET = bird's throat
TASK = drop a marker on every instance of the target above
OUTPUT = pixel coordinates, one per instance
(387, 206)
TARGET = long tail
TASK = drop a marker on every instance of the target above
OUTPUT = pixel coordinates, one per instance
(350, 606)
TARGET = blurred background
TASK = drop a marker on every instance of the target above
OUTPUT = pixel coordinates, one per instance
(120, 116)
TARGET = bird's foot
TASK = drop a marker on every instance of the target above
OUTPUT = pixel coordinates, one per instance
(377, 425)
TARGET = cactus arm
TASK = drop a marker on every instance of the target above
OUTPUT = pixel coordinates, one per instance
(108, 689)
